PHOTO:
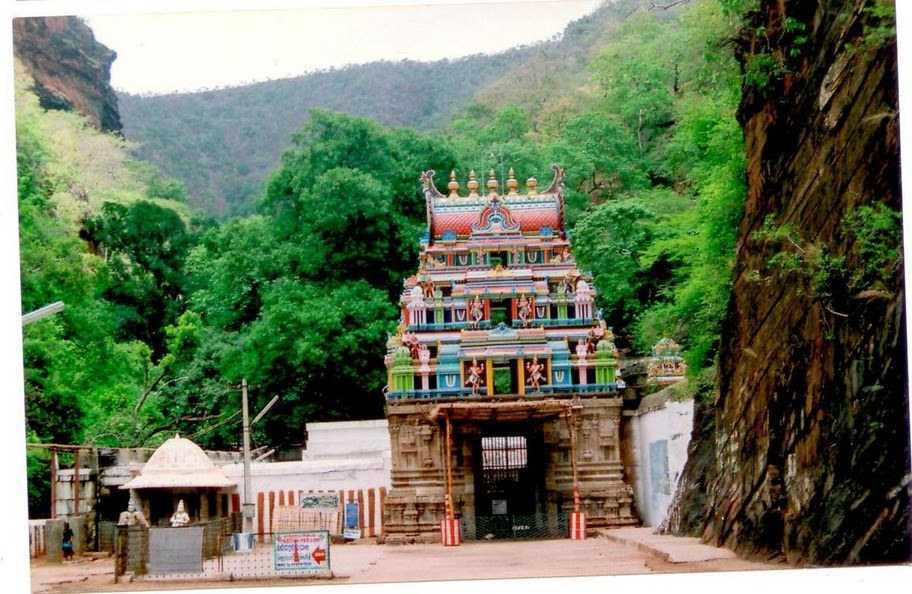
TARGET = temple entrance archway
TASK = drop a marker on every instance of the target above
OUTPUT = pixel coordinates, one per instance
(510, 498)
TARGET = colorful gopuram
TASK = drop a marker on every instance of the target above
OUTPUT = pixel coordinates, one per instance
(502, 397)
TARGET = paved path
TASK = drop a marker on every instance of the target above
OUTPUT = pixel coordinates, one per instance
(674, 549)
(367, 563)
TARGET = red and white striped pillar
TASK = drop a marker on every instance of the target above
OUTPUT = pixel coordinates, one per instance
(577, 518)
(449, 530)
(577, 525)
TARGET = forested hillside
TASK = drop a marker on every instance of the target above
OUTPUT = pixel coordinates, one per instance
(222, 143)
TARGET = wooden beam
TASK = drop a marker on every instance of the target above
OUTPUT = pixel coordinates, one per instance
(53, 483)
(576, 501)
(489, 376)
(521, 376)
(449, 468)
(76, 484)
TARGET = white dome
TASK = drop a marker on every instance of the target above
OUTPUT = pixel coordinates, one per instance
(179, 463)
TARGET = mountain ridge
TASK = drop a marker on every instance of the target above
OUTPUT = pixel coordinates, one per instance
(248, 127)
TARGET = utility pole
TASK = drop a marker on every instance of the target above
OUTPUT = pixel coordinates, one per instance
(248, 504)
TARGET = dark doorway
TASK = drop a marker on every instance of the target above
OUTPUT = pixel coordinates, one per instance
(498, 258)
(501, 312)
(509, 484)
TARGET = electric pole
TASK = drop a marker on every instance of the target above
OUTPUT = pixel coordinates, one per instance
(248, 504)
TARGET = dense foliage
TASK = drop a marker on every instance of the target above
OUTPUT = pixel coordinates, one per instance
(166, 314)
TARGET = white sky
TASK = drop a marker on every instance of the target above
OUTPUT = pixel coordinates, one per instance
(158, 53)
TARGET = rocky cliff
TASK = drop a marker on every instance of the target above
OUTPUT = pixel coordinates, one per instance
(72, 70)
(802, 448)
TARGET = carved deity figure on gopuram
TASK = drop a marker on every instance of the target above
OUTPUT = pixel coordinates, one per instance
(500, 342)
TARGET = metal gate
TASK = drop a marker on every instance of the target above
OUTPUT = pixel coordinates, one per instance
(509, 494)
(519, 526)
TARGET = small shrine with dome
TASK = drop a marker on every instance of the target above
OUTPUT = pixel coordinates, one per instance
(180, 481)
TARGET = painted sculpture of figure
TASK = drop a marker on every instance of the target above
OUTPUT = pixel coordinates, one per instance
(428, 289)
(592, 338)
(534, 374)
(476, 370)
(180, 517)
(516, 257)
(424, 357)
(432, 262)
(476, 311)
(411, 341)
(132, 516)
(583, 349)
(524, 310)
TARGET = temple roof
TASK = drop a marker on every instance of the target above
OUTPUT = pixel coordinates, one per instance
(179, 463)
(494, 216)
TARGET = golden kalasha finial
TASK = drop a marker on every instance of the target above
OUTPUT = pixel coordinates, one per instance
(492, 183)
(531, 184)
(472, 185)
(453, 185)
(512, 184)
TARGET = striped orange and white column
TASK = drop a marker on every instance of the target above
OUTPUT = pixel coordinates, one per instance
(577, 525)
(450, 533)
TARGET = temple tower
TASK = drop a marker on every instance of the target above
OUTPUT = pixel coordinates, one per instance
(502, 396)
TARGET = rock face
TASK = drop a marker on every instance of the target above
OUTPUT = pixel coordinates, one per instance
(805, 450)
(72, 71)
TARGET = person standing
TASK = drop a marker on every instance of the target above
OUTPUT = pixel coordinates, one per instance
(67, 545)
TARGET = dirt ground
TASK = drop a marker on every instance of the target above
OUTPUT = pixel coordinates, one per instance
(368, 563)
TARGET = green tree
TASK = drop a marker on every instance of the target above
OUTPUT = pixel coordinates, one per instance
(145, 246)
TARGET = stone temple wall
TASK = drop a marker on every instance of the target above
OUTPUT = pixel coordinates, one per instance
(415, 504)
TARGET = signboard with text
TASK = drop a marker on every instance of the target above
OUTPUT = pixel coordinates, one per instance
(302, 552)
(319, 500)
(352, 528)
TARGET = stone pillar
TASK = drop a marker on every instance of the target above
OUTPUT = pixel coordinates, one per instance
(79, 528)
(137, 550)
(467, 437)
(204, 506)
(120, 550)
(53, 531)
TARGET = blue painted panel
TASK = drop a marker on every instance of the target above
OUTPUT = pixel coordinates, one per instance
(659, 481)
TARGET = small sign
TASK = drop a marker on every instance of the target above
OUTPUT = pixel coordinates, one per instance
(352, 528)
(319, 501)
(302, 551)
(499, 507)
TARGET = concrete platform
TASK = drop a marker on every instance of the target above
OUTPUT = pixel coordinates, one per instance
(674, 549)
